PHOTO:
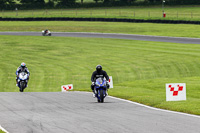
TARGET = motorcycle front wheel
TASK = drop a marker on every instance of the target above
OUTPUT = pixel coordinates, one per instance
(22, 86)
(101, 96)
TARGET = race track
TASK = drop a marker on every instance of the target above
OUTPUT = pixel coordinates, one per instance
(78, 112)
(112, 35)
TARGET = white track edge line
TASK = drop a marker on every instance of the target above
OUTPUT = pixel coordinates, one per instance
(153, 108)
(146, 106)
(1, 128)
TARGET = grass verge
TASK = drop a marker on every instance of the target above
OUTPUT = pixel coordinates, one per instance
(1, 131)
(140, 69)
(174, 30)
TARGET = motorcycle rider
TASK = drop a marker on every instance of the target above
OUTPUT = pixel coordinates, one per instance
(99, 73)
(46, 31)
(20, 69)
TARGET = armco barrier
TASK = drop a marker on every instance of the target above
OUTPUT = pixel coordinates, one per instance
(102, 20)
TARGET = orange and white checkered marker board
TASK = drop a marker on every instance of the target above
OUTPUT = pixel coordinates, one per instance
(110, 81)
(175, 91)
(65, 88)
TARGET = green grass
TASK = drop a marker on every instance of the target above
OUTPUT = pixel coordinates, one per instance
(1, 131)
(176, 30)
(173, 13)
(140, 69)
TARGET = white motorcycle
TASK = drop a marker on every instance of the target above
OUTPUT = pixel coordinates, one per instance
(22, 81)
(46, 33)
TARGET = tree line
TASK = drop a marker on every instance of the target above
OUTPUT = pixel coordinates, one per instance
(41, 4)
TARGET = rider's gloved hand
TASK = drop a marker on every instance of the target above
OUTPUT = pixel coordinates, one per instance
(93, 83)
(107, 84)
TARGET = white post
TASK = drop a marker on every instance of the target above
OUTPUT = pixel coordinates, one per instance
(16, 11)
(163, 6)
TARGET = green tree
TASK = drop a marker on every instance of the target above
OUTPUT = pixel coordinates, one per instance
(127, 1)
(39, 3)
(153, 1)
(66, 3)
(182, 2)
(26, 1)
(50, 3)
(6, 4)
(33, 3)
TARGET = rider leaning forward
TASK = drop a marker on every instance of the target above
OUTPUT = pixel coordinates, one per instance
(99, 73)
(20, 69)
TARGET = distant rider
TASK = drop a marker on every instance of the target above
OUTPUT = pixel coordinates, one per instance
(99, 73)
(46, 31)
(20, 69)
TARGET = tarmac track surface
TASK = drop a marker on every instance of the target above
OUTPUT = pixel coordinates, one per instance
(112, 35)
(75, 112)
(78, 112)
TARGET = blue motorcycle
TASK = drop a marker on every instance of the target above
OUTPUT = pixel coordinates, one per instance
(101, 89)
(22, 81)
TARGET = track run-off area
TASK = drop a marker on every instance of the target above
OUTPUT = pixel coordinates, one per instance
(75, 112)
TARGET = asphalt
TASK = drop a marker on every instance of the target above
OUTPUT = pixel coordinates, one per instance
(78, 112)
(112, 35)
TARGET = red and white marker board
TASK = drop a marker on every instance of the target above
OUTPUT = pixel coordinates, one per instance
(175, 91)
(65, 88)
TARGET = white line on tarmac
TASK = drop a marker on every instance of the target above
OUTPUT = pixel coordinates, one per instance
(1, 128)
(153, 108)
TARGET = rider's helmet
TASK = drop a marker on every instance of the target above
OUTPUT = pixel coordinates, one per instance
(98, 68)
(23, 65)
